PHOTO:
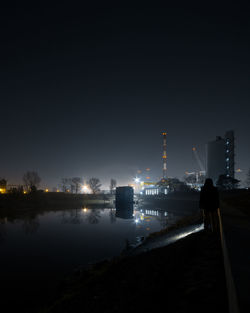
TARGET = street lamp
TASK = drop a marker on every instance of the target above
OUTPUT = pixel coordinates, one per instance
(137, 179)
(85, 189)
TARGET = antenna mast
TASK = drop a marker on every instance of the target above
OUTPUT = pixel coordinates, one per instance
(164, 156)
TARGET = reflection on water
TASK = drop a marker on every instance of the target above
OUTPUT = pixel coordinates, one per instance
(30, 224)
(39, 249)
(112, 215)
(142, 221)
(59, 241)
(125, 211)
(3, 221)
(139, 218)
(163, 217)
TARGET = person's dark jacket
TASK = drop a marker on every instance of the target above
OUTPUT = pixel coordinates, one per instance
(209, 199)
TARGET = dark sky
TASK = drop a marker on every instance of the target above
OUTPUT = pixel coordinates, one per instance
(87, 90)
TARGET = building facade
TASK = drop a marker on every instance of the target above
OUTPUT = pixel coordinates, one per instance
(220, 157)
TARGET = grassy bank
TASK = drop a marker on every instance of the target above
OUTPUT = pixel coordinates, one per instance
(187, 276)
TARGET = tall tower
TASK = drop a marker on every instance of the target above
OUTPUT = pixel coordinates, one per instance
(164, 156)
(220, 157)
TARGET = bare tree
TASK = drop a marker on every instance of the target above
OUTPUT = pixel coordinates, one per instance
(31, 180)
(64, 184)
(227, 183)
(77, 182)
(94, 185)
(94, 216)
(112, 185)
(3, 183)
(71, 185)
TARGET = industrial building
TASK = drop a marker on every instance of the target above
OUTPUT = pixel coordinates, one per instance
(220, 157)
(156, 190)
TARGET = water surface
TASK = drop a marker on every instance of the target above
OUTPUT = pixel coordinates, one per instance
(39, 250)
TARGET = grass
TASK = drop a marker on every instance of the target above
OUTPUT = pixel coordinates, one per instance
(187, 276)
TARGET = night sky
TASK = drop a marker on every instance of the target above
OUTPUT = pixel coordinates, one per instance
(87, 90)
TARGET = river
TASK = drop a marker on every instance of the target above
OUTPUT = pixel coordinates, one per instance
(38, 250)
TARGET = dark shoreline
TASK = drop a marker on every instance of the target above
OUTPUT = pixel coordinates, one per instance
(187, 276)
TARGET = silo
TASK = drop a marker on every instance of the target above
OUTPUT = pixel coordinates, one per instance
(215, 159)
(124, 195)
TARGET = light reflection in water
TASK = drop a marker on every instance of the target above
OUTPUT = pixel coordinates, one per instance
(51, 244)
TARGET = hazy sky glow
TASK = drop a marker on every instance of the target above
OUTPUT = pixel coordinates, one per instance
(87, 91)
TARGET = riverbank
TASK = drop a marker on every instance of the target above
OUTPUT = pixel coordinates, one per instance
(14, 205)
(19, 204)
(238, 199)
(235, 216)
(187, 276)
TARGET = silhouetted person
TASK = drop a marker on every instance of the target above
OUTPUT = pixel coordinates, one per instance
(209, 204)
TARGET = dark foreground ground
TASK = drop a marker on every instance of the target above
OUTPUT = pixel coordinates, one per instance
(187, 276)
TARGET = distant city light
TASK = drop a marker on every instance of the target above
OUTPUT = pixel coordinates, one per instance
(46, 190)
(85, 189)
(137, 179)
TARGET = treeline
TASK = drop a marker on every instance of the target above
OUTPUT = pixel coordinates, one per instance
(75, 185)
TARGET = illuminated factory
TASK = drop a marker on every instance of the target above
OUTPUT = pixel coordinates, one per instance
(161, 188)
